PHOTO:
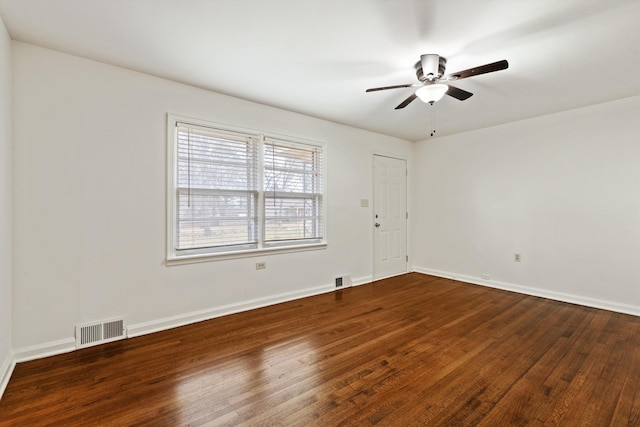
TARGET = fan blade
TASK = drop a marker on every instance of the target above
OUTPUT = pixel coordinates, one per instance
(407, 101)
(458, 93)
(390, 87)
(476, 71)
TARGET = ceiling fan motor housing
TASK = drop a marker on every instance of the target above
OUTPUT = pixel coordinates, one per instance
(430, 67)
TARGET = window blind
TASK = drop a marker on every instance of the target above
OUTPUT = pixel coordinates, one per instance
(217, 188)
(292, 191)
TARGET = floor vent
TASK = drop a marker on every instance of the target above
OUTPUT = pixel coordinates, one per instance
(95, 333)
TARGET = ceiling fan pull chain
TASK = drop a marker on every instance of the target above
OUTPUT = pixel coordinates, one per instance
(434, 122)
(433, 119)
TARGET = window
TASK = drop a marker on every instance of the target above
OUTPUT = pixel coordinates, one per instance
(233, 192)
(293, 192)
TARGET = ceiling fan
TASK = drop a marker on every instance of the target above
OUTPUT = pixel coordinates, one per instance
(430, 73)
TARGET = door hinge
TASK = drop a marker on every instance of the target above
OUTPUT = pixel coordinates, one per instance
(407, 257)
(407, 215)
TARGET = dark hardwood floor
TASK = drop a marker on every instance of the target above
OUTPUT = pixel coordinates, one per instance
(411, 350)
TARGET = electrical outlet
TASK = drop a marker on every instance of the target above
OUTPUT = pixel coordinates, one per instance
(261, 265)
(517, 257)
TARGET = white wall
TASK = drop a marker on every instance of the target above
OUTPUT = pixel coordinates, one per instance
(89, 194)
(5, 207)
(562, 190)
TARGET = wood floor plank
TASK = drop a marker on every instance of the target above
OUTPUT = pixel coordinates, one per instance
(410, 350)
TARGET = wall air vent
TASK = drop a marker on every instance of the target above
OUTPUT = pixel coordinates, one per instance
(94, 333)
(343, 281)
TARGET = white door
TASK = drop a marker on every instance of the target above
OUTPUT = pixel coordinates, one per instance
(389, 216)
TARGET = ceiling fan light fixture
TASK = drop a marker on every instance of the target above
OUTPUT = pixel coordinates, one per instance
(432, 93)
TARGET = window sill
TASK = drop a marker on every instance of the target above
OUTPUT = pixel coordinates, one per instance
(191, 259)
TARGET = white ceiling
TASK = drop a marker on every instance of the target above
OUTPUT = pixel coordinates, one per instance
(317, 57)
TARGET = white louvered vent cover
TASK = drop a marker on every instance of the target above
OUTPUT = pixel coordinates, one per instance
(94, 333)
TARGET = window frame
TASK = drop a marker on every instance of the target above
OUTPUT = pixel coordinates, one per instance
(173, 256)
(317, 197)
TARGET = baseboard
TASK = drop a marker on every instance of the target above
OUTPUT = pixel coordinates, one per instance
(6, 369)
(134, 330)
(361, 281)
(39, 351)
(537, 292)
(365, 280)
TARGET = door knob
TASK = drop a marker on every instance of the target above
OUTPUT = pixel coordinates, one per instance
(377, 224)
